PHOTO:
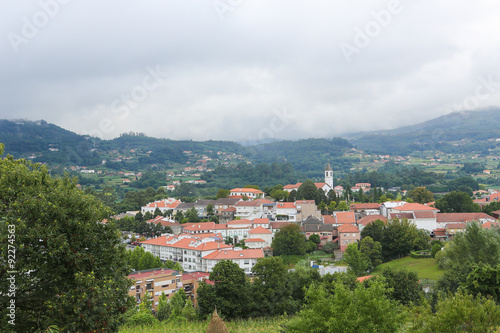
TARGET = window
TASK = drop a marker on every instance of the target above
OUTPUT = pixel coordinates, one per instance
(246, 262)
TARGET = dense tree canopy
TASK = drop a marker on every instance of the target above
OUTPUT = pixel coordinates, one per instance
(457, 202)
(70, 270)
(289, 240)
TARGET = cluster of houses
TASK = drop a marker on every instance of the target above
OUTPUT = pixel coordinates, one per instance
(245, 215)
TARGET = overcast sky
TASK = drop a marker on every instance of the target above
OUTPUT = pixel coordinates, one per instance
(246, 70)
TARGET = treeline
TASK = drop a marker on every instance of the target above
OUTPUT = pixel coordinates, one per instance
(261, 174)
(309, 156)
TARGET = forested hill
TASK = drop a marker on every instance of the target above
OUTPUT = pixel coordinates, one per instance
(441, 133)
(23, 138)
(53, 144)
(309, 155)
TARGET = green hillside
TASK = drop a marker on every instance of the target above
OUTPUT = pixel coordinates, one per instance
(445, 133)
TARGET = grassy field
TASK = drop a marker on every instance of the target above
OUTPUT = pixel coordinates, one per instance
(271, 325)
(426, 268)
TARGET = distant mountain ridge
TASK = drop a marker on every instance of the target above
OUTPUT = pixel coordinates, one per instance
(435, 134)
(57, 145)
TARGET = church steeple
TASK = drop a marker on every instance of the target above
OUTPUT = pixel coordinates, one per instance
(329, 176)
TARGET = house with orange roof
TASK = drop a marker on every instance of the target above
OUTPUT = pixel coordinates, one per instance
(227, 214)
(489, 225)
(163, 205)
(348, 234)
(249, 210)
(224, 203)
(363, 222)
(286, 211)
(306, 208)
(261, 233)
(423, 216)
(344, 218)
(444, 218)
(245, 259)
(495, 197)
(255, 243)
(167, 222)
(250, 193)
(185, 249)
(363, 209)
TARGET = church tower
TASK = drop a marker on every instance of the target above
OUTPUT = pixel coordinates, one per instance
(329, 176)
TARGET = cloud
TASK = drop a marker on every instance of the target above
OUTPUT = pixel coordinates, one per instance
(231, 66)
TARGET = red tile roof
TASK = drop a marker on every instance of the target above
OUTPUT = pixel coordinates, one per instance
(344, 217)
(305, 202)
(235, 254)
(456, 225)
(252, 240)
(424, 214)
(364, 278)
(229, 209)
(365, 206)
(152, 273)
(261, 221)
(259, 230)
(195, 276)
(238, 222)
(328, 219)
(461, 217)
(254, 203)
(347, 228)
(413, 207)
(285, 205)
(489, 225)
(370, 218)
(200, 226)
(246, 190)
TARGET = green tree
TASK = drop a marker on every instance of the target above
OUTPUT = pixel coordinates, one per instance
(421, 195)
(400, 237)
(457, 202)
(178, 301)
(307, 191)
(222, 193)
(474, 246)
(357, 261)
(271, 289)
(491, 207)
(71, 271)
(342, 206)
(457, 313)
(289, 240)
(189, 312)
(164, 308)
(375, 230)
(404, 286)
(315, 239)
(230, 293)
(362, 309)
(372, 251)
(435, 249)
(483, 280)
